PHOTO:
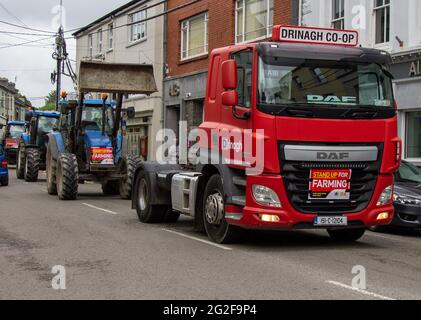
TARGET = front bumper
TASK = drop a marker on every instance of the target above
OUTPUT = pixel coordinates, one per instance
(407, 216)
(290, 218)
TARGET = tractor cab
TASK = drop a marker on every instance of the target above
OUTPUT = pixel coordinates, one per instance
(10, 139)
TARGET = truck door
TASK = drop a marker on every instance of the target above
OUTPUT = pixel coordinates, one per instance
(238, 119)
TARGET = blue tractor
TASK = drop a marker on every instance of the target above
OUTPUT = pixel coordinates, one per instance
(31, 155)
(4, 173)
(90, 143)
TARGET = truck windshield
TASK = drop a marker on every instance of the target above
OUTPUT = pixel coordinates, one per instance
(15, 131)
(324, 83)
(92, 119)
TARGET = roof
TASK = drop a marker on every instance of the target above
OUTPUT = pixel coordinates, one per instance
(108, 15)
(48, 114)
(91, 102)
(16, 123)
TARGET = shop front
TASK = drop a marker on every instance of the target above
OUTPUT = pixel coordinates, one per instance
(406, 69)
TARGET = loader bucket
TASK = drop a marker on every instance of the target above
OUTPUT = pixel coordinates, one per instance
(116, 78)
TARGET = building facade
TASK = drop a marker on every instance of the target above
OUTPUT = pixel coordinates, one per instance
(194, 31)
(126, 36)
(8, 92)
(391, 25)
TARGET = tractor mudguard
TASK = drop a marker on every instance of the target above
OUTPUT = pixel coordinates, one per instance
(57, 145)
(159, 196)
(25, 138)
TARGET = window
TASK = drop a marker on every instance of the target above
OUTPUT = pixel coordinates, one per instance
(413, 134)
(382, 14)
(137, 30)
(244, 61)
(194, 37)
(338, 16)
(90, 45)
(110, 36)
(100, 41)
(254, 20)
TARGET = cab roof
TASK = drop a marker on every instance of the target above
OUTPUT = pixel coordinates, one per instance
(323, 52)
(48, 114)
(16, 123)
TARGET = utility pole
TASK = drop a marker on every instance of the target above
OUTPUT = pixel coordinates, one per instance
(59, 56)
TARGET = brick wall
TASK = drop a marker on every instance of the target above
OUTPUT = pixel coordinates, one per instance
(221, 29)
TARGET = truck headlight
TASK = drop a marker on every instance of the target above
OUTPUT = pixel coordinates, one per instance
(386, 196)
(266, 196)
(404, 199)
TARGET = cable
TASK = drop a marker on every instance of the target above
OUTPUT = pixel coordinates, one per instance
(27, 28)
(12, 15)
(25, 33)
(24, 43)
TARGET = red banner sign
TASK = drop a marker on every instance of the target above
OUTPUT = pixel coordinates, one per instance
(102, 156)
(330, 184)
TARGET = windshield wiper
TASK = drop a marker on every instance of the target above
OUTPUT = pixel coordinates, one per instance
(300, 112)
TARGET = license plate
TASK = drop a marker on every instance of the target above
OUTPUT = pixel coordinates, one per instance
(330, 221)
(330, 184)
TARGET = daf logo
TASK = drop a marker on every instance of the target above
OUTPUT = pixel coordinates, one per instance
(332, 155)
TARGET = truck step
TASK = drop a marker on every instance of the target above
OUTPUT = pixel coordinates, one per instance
(239, 201)
(240, 181)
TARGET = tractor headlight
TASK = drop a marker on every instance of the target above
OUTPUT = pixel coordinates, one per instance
(266, 196)
(386, 196)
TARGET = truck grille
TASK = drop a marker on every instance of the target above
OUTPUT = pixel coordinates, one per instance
(296, 177)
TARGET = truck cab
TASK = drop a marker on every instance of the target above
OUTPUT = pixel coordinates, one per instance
(304, 133)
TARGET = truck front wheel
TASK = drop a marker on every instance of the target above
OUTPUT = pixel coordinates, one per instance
(147, 212)
(217, 228)
(346, 235)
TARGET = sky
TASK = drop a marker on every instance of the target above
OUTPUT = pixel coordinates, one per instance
(31, 65)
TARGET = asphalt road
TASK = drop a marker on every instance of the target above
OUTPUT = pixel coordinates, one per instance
(108, 254)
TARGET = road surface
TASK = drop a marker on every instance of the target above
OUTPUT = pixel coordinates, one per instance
(107, 254)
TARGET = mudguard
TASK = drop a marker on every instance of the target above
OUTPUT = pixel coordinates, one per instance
(25, 137)
(159, 196)
(56, 144)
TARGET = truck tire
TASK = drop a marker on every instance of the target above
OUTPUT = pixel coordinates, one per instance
(146, 212)
(32, 161)
(126, 183)
(67, 177)
(20, 162)
(346, 235)
(51, 173)
(217, 228)
(111, 188)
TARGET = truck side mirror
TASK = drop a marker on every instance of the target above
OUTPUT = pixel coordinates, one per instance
(230, 98)
(229, 75)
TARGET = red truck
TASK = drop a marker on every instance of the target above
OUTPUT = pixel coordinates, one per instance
(322, 110)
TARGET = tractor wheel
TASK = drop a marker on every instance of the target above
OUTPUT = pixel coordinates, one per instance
(51, 173)
(20, 162)
(67, 177)
(111, 188)
(32, 165)
(126, 183)
(147, 212)
(5, 182)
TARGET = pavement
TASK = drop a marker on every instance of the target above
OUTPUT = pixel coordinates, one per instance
(108, 254)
